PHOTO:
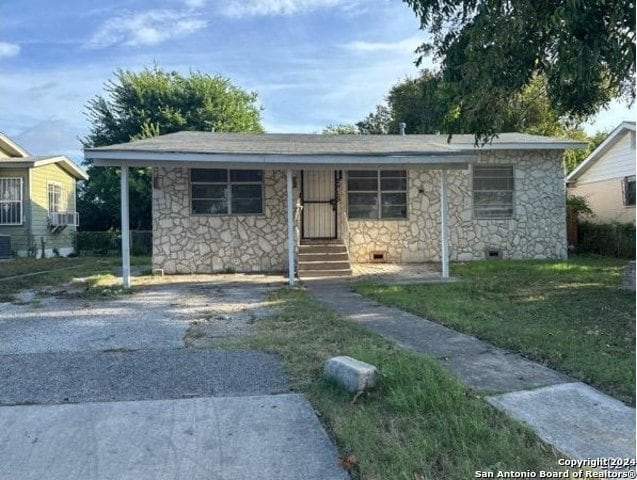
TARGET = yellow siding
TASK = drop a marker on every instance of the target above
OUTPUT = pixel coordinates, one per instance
(19, 233)
(41, 177)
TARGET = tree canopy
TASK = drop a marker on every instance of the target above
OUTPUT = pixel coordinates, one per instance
(490, 50)
(148, 103)
(341, 129)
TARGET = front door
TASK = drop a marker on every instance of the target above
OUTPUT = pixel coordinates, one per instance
(318, 197)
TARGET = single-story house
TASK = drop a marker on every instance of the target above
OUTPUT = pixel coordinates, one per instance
(261, 202)
(606, 178)
(37, 202)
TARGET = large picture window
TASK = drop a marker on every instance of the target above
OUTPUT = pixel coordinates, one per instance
(492, 191)
(373, 194)
(10, 201)
(222, 191)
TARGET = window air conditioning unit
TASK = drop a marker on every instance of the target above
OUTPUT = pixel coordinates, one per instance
(61, 220)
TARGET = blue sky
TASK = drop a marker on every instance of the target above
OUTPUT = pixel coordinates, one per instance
(312, 62)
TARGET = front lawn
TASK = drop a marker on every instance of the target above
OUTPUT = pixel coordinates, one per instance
(53, 271)
(570, 315)
(419, 422)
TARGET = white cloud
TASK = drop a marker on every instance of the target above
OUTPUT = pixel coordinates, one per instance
(248, 8)
(9, 49)
(406, 45)
(145, 28)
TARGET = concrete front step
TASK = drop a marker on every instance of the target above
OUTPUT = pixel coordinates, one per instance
(323, 265)
(322, 257)
(331, 248)
(325, 273)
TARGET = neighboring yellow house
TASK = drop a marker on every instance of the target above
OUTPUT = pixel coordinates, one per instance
(37, 202)
(606, 178)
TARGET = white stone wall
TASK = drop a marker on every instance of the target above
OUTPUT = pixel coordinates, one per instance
(185, 243)
(537, 229)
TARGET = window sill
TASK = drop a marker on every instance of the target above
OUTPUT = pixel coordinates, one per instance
(218, 215)
(406, 219)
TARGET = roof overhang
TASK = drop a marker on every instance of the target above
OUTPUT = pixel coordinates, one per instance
(608, 143)
(111, 158)
(63, 162)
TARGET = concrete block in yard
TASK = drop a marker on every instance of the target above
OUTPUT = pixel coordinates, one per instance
(351, 374)
(629, 277)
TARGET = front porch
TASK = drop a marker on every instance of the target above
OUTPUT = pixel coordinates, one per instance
(255, 208)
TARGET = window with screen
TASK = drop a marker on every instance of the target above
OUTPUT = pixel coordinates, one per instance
(373, 194)
(493, 189)
(222, 191)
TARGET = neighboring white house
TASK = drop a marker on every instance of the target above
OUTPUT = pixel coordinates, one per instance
(251, 203)
(606, 178)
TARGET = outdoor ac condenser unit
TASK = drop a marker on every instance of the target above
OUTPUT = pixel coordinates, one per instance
(5, 246)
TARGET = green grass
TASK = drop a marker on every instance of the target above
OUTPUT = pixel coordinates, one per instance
(66, 269)
(569, 315)
(418, 423)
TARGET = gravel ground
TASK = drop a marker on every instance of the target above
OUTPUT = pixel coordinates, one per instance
(158, 315)
(60, 347)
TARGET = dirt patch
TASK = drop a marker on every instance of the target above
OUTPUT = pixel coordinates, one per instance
(222, 319)
(160, 312)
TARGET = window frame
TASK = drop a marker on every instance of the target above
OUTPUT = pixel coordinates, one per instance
(19, 202)
(482, 216)
(379, 195)
(60, 196)
(626, 181)
(228, 183)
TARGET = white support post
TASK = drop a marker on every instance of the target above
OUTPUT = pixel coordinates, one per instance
(291, 243)
(444, 224)
(125, 227)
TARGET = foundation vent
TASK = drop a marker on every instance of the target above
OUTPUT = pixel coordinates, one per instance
(378, 256)
(493, 254)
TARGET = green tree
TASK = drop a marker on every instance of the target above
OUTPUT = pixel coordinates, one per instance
(491, 49)
(419, 102)
(149, 103)
(572, 158)
(376, 123)
(424, 104)
(341, 129)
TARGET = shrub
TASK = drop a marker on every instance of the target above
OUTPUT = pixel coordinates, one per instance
(610, 239)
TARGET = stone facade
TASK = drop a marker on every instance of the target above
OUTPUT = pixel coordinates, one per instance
(537, 229)
(185, 243)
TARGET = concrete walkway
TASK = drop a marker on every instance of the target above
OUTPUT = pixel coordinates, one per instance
(575, 418)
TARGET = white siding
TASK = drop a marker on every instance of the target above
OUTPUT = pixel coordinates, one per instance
(618, 162)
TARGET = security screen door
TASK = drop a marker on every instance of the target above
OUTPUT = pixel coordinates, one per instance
(318, 197)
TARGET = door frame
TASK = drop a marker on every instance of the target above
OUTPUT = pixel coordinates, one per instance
(333, 202)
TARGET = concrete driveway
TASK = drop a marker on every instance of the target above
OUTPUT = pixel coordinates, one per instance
(112, 389)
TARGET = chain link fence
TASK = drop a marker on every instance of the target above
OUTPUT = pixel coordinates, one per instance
(110, 243)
